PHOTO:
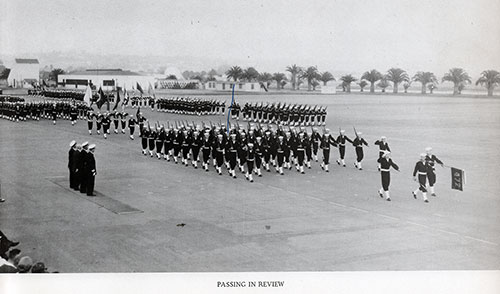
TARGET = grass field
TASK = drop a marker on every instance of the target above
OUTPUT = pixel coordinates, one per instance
(314, 222)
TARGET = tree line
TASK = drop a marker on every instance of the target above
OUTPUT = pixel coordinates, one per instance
(397, 76)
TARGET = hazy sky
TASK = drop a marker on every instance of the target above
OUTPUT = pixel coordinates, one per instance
(349, 35)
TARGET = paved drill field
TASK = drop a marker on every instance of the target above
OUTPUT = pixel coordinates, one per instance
(314, 222)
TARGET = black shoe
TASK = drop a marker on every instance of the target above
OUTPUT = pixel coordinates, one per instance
(426, 201)
(433, 194)
(388, 199)
(414, 195)
(13, 244)
(380, 194)
(2, 200)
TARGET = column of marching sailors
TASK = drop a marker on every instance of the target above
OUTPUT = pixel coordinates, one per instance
(259, 149)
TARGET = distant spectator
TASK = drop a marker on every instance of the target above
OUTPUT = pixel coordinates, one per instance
(25, 264)
(39, 268)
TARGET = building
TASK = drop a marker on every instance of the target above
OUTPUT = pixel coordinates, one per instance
(108, 79)
(239, 86)
(24, 73)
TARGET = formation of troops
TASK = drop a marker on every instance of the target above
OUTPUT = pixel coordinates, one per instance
(23, 111)
(291, 114)
(249, 149)
(60, 94)
(255, 148)
(82, 167)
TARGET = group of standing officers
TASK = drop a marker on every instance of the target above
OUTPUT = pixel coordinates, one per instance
(82, 167)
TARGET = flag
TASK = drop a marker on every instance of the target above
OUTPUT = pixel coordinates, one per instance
(151, 91)
(125, 97)
(117, 98)
(457, 179)
(139, 88)
(138, 111)
(88, 96)
(102, 98)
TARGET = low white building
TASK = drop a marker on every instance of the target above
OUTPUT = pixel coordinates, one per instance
(24, 72)
(108, 79)
(239, 86)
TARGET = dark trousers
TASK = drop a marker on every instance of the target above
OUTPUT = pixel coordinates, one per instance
(342, 151)
(219, 158)
(73, 179)
(132, 129)
(386, 180)
(151, 144)
(206, 155)
(144, 142)
(196, 151)
(326, 155)
(90, 183)
(432, 178)
(258, 160)
(281, 158)
(232, 159)
(359, 154)
(90, 124)
(83, 182)
(250, 165)
(159, 145)
(422, 179)
(300, 156)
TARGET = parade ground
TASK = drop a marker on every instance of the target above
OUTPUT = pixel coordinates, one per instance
(151, 215)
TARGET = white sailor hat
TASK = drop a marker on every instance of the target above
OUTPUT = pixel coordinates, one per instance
(428, 149)
(359, 133)
(232, 135)
(386, 152)
(72, 143)
(250, 144)
(383, 137)
(342, 131)
(423, 155)
(85, 144)
(327, 130)
(219, 135)
(91, 146)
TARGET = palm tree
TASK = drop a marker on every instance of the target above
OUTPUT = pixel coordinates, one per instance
(325, 77)
(397, 76)
(295, 71)
(362, 85)
(458, 76)
(278, 77)
(372, 76)
(490, 79)
(310, 74)
(424, 78)
(265, 77)
(383, 84)
(250, 74)
(234, 73)
(347, 80)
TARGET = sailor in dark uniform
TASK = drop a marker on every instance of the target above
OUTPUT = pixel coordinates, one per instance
(74, 115)
(258, 155)
(232, 148)
(341, 139)
(91, 171)
(326, 141)
(430, 160)
(123, 120)
(106, 124)
(72, 165)
(82, 167)
(144, 140)
(385, 164)
(196, 143)
(90, 121)
(250, 159)
(383, 146)
(358, 143)
(219, 147)
(206, 146)
(280, 150)
(160, 140)
(131, 125)
(421, 170)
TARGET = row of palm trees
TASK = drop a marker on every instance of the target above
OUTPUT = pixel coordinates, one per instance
(458, 76)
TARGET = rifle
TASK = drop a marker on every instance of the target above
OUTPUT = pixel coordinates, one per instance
(356, 133)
